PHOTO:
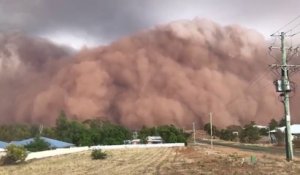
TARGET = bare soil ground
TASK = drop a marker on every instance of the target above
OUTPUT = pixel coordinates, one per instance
(186, 160)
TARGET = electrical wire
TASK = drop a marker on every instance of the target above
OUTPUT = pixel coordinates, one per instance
(290, 30)
(275, 58)
(295, 33)
(293, 20)
(263, 74)
(270, 50)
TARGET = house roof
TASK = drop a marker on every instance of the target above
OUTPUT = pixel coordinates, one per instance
(52, 142)
(154, 139)
(3, 144)
(261, 126)
(295, 129)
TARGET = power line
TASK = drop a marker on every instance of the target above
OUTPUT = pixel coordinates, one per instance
(297, 25)
(296, 32)
(286, 25)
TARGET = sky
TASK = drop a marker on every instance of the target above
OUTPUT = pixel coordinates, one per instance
(79, 23)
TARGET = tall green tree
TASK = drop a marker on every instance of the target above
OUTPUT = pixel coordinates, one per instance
(226, 134)
(215, 131)
(15, 132)
(250, 134)
(90, 132)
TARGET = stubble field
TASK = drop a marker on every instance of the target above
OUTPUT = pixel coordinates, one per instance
(185, 160)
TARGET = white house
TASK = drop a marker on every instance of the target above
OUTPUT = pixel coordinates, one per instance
(295, 130)
(135, 141)
(154, 139)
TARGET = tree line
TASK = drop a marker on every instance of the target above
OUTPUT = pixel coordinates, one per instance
(88, 133)
(246, 134)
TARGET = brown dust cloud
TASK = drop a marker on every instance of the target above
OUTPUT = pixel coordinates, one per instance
(171, 74)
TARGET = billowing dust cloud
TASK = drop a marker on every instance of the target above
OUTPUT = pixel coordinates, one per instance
(171, 74)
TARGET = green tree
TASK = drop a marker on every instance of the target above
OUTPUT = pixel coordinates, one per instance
(49, 132)
(145, 132)
(226, 134)
(15, 132)
(37, 144)
(114, 134)
(90, 132)
(34, 130)
(215, 131)
(249, 134)
(62, 127)
(169, 134)
(264, 131)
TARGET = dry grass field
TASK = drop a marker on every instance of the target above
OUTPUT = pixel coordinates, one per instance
(188, 160)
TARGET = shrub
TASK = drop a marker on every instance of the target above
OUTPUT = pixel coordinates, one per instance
(37, 144)
(98, 154)
(14, 154)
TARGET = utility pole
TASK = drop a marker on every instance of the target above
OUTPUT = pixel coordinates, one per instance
(194, 132)
(270, 140)
(286, 101)
(283, 86)
(211, 130)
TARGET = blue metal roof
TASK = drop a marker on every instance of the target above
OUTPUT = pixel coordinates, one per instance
(3, 144)
(52, 142)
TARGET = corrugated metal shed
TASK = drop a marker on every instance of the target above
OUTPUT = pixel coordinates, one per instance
(3, 144)
(52, 142)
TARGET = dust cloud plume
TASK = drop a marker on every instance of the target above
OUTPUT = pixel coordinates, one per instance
(171, 74)
(26, 66)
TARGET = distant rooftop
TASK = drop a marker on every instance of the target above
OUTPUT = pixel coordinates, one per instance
(154, 139)
(295, 129)
(3, 144)
(261, 126)
(52, 142)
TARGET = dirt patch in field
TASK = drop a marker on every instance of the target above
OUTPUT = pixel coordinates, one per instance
(220, 160)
